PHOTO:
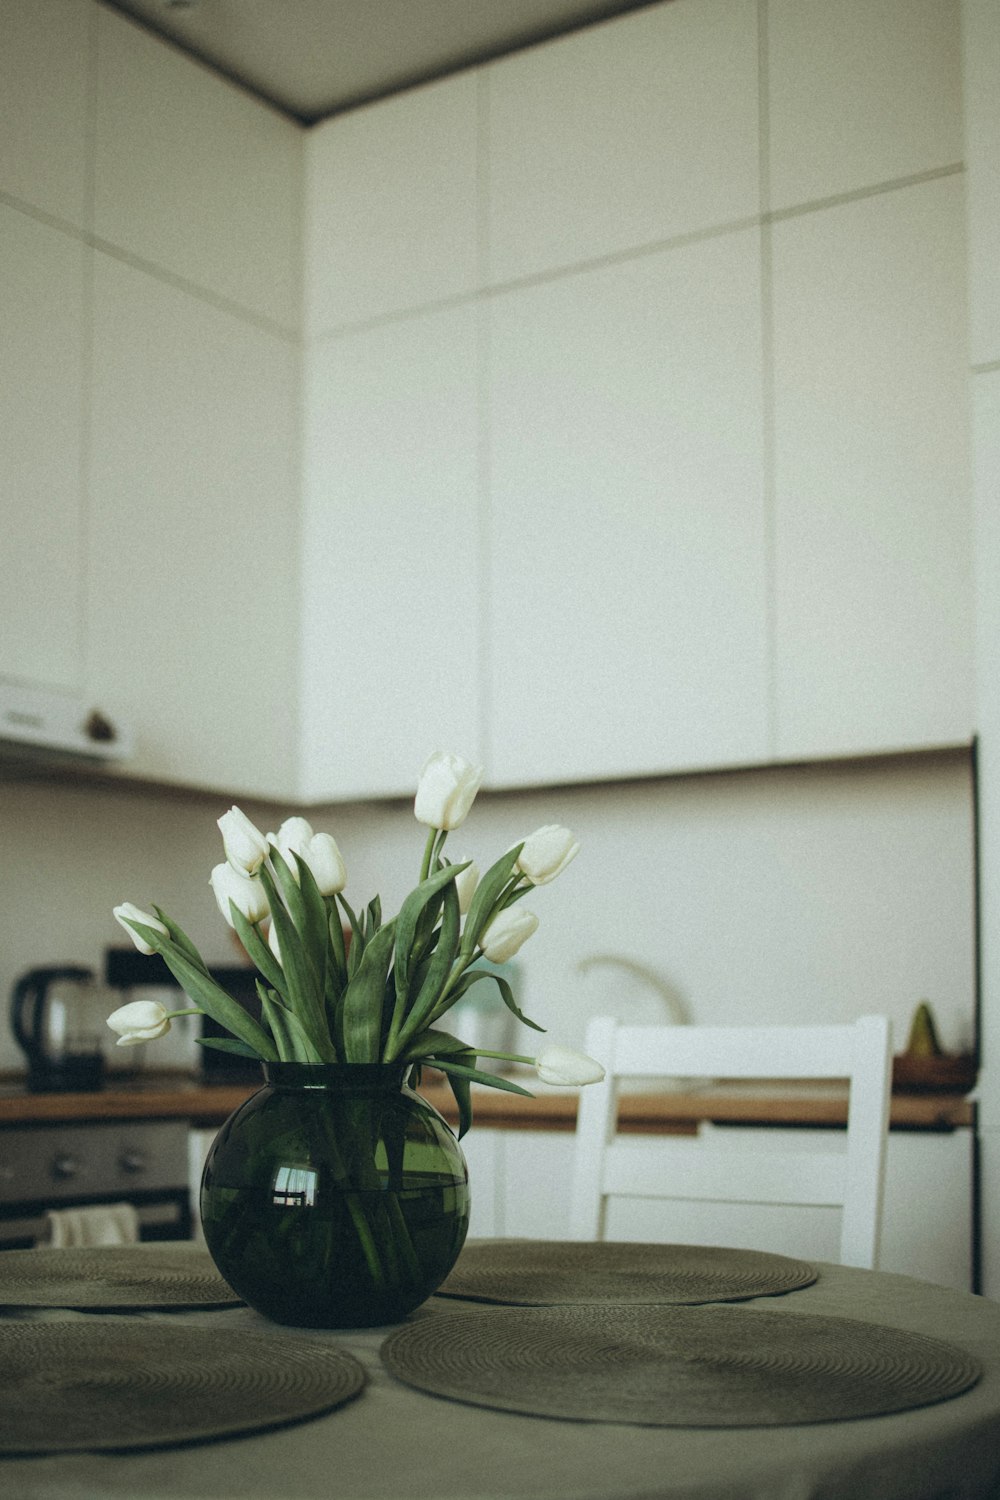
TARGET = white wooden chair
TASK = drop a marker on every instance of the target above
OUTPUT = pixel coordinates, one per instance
(688, 1168)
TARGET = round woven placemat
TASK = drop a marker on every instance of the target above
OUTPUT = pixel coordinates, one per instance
(543, 1273)
(113, 1385)
(675, 1366)
(114, 1277)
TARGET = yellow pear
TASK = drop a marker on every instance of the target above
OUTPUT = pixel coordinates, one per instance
(923, 1040)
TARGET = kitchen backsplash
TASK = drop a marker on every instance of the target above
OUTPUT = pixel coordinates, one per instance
(785, 894)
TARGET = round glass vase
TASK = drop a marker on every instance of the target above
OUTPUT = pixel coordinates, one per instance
(335, 1197)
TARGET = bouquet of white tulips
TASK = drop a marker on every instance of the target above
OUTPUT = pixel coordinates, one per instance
(380, 996)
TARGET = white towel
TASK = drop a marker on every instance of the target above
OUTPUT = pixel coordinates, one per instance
(106, 1224)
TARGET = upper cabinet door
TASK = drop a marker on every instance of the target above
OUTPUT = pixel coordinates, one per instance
(390, 555)
(194, 176)
(981, 43)
(45, 53)
(627, 531)
(42, 279)
(627, 133)
(392, 205)
(872, 489)
(192, 593)
(859, 94)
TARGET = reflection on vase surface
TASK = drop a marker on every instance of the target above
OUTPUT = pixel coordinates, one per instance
(335, 1197)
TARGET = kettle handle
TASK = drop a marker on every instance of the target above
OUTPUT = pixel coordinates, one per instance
(27, 996)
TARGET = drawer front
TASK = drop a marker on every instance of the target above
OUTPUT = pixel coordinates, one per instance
(60, 1164)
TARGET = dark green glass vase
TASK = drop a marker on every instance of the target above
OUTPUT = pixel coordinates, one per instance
(335, 1197)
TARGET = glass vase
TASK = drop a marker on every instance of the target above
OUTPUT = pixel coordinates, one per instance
(335, 1197)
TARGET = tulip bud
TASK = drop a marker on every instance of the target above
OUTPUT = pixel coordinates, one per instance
(245, 845)
(293, 835)
(127, 913)
(326, 863)
(546, 853)
(248, 896)
(465, 885)
(506, 933)
(273, 943)
(446, 790)
(140, 1021)
(561, 1065)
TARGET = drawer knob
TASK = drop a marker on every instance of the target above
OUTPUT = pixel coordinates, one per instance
(65, 1166)
(132, 1162)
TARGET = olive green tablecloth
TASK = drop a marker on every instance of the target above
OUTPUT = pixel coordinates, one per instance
(394, 1441)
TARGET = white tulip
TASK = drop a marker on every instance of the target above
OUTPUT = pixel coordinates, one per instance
(446, 790)
(326, 863)
(506, 933)
(140, 1021)
(465, 885)
(546, 853)
(293, 835)
(245, 845)
(246, 894)
(127, 913)
(561, 1065)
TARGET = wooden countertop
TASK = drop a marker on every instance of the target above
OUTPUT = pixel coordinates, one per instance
(161, 1097)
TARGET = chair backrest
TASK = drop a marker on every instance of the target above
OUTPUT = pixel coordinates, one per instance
(607, 1164)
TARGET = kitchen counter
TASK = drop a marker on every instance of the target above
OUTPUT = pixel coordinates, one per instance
(178, 1096)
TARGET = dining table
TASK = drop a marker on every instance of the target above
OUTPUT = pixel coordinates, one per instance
(540, 1370)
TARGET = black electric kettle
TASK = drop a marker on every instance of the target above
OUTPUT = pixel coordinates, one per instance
(58, 1016)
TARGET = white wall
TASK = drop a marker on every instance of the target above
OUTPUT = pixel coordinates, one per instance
(773, 895)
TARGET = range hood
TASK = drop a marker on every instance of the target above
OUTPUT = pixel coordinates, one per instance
(54, 723)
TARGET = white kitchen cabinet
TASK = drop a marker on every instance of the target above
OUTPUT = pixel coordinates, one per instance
(191, 591)
(392, 205)
(860, 95)
(194, 176)
(42, 290)
(621, 135)
(45, 62)
(390, 555)
(981, 48)
(872, 507)
(927, 1227)
(627, 604)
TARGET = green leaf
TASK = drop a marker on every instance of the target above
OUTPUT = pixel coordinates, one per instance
(432, 1041)
(207, 994)
(302, 986)
(461, 1077)
(227, 1044)
(475, 1075)
(364, 996)
(437, 971)
(408, 919)
(180, 937)
(295, 1044)
(257, 950)
(488, 893)
(315, 930)
(507, 995)
(357, 940)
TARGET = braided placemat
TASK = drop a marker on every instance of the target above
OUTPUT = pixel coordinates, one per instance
(113, 1277)
(712, 1366)
(546, 1273)
(115, 1384)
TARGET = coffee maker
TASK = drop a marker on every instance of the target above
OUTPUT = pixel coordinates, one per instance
(59, 1018)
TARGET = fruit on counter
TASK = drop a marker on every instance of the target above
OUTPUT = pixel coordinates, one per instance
(923, 1039)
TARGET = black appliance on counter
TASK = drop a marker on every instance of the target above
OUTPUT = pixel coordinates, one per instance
(58, 1016)
(128, 969)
